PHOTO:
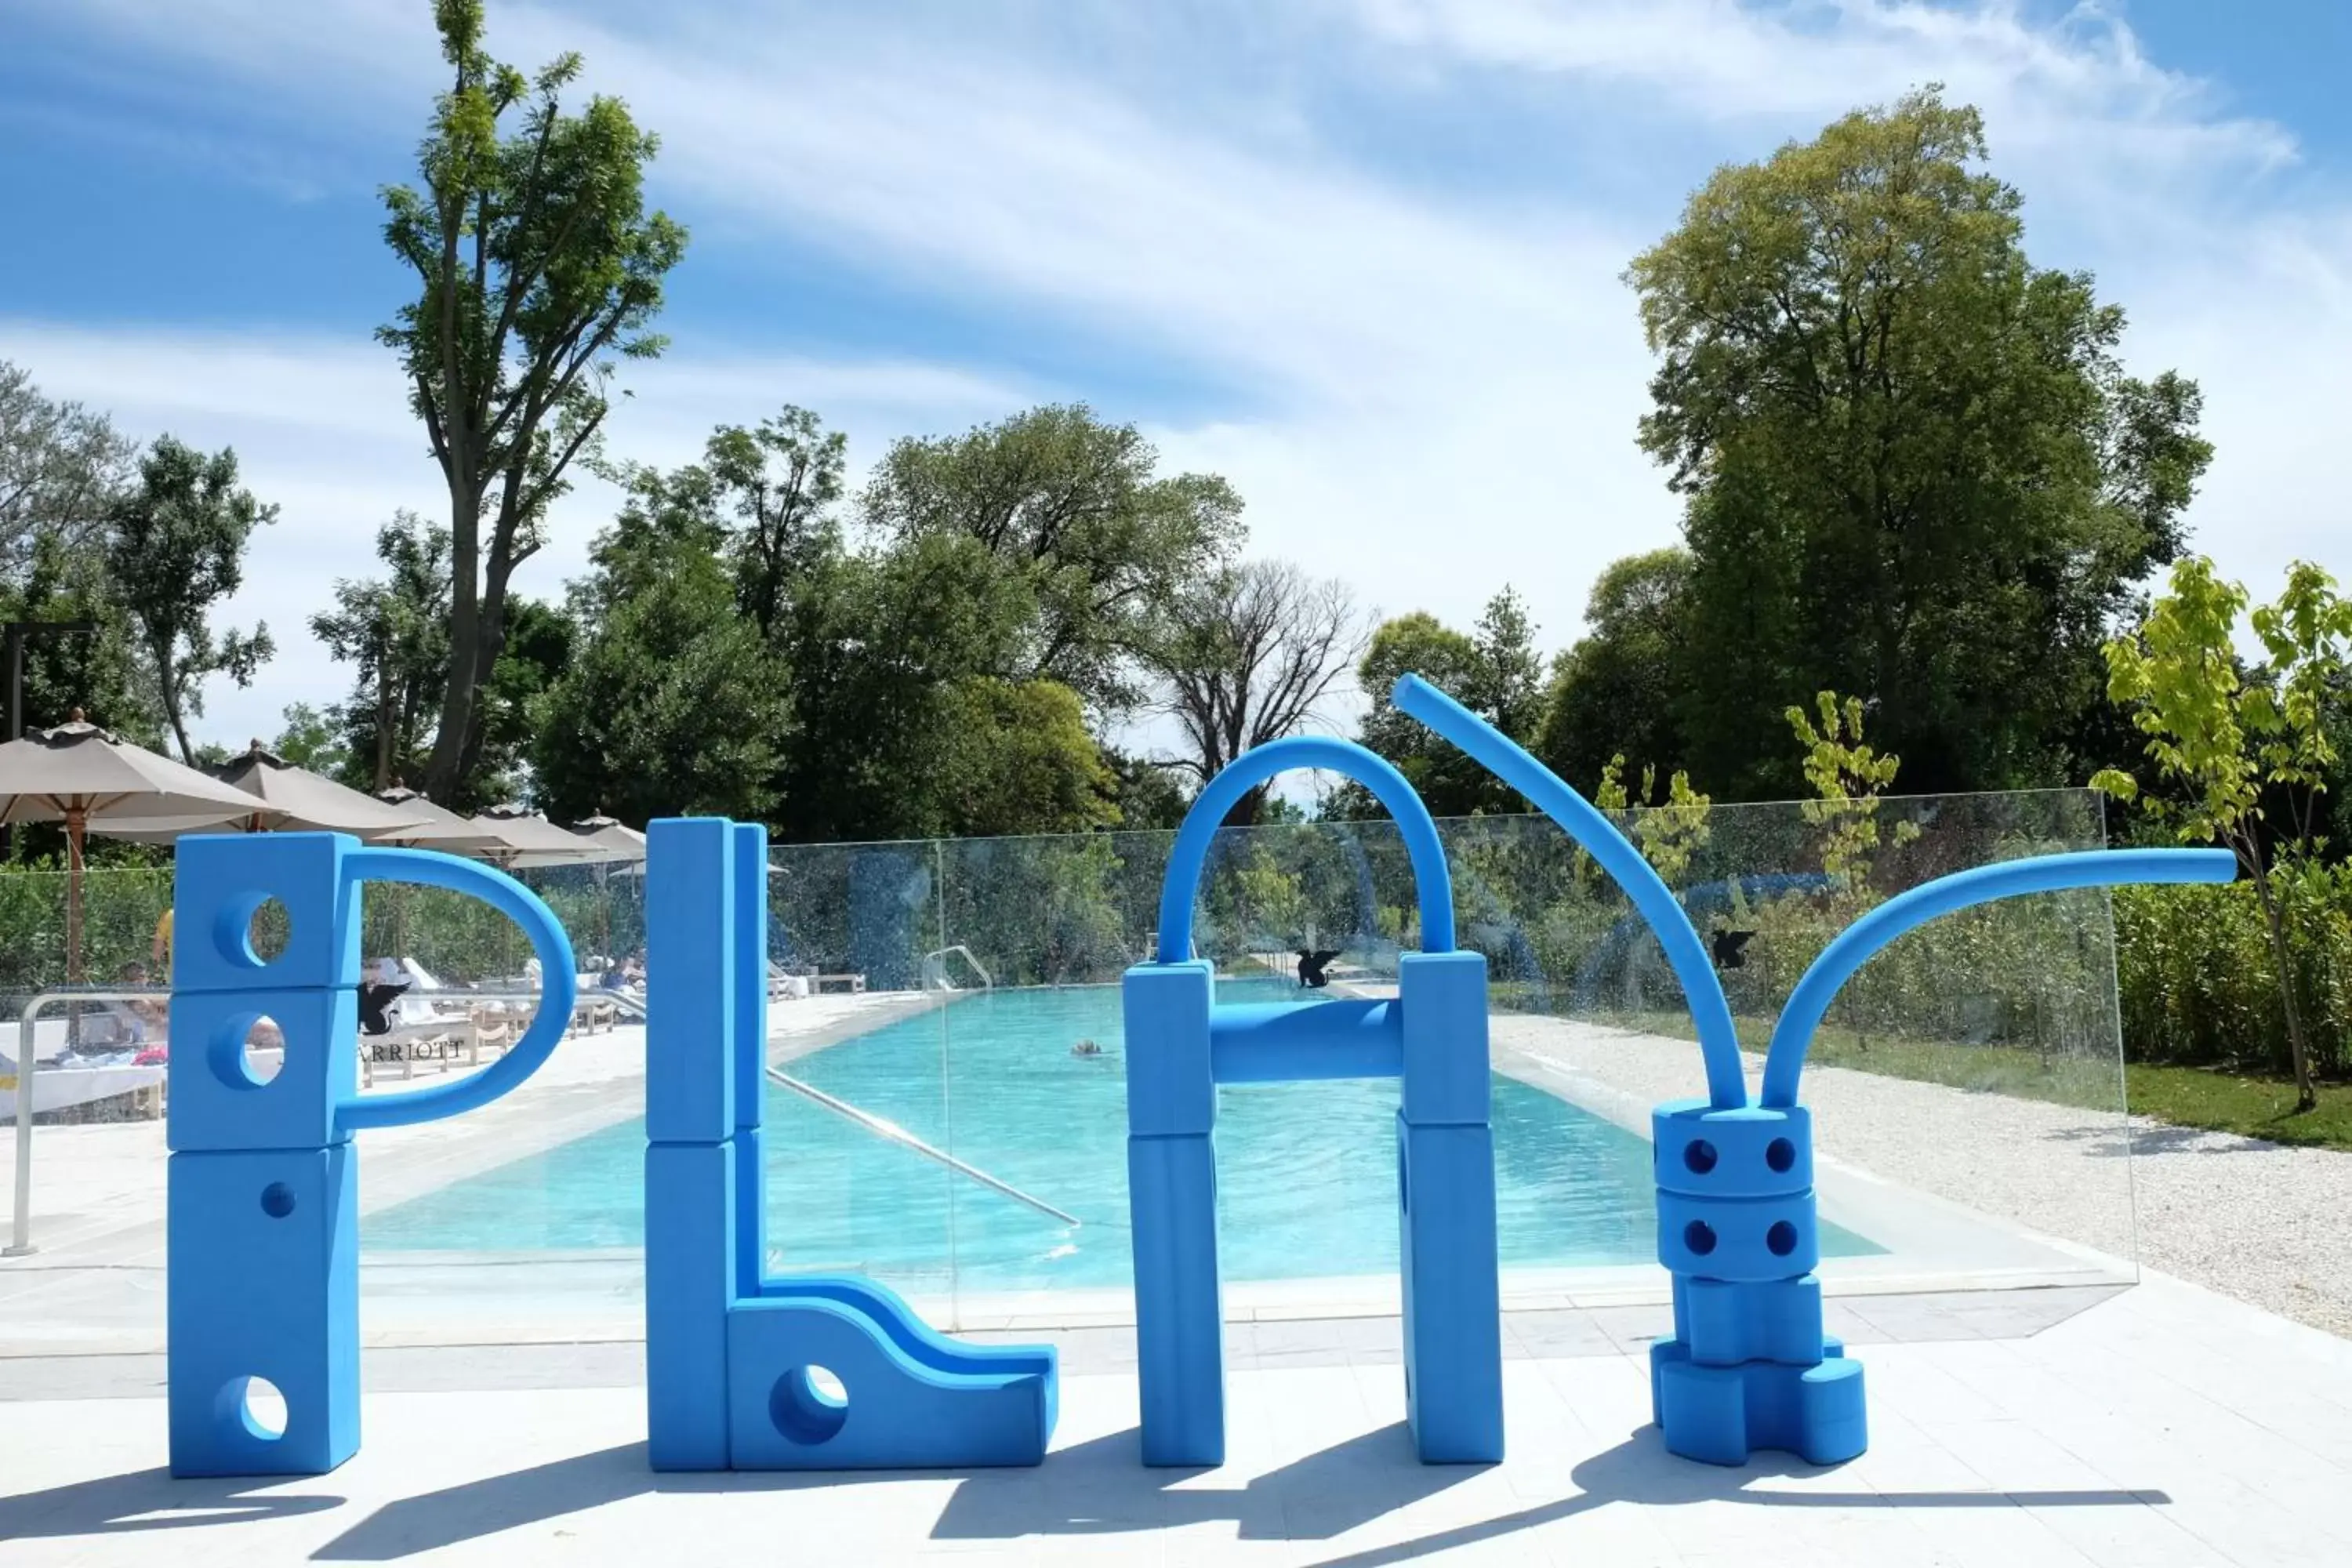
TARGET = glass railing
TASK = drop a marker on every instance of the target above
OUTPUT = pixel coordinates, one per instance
(1967, 1084)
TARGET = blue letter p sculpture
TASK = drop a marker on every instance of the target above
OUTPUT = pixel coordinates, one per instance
(1180, 1045)
(1749, 1365)
(261, 1233)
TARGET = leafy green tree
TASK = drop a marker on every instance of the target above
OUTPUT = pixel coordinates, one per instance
(537, 268)
(1670, 829)
(2221, 739)
(1847, 778)
(1619, 689)
(1019, 759)
(1149, 795)
(1912, 465)
(61, 466)
(1078, 509)
(1493, 671)
(312, 739)
(670, 705)
(176, 548)
(101, 673)
(1248, 654)
(395, 629)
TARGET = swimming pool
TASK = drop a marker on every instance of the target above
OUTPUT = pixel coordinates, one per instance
(1306, 1172)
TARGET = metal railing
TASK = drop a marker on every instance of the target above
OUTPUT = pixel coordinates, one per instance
(899, 1135)
(935, 970)
(20, 1234)
(20, 1231)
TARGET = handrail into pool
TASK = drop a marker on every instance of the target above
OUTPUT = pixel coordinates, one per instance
(898, 1134)
(987, 981)
(20, 1234)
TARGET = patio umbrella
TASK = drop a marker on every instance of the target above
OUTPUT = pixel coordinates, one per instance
(82, 775)
(629, 844)
(289, 799)
(437, 828)
(532, 841)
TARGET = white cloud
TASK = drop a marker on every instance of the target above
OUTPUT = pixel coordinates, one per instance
(1428, 391)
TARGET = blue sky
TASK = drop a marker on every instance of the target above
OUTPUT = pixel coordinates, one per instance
(1360, 256)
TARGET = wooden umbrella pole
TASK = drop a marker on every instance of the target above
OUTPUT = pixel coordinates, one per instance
(77, 822)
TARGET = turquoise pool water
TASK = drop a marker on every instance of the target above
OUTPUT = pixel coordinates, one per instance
(1306, 1172)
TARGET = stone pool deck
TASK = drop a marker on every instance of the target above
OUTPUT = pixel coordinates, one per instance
(2143, 1428)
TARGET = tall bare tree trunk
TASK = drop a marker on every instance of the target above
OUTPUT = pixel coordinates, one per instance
(448, 767)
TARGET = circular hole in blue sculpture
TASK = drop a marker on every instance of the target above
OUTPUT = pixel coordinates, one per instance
(276, 1200)
(1698, 1156)
(1781, 1154)
(267, 931)
(1781, 1239)
(808, 1406)
(261, 1054)
(253, 1405)
(1699, 1236)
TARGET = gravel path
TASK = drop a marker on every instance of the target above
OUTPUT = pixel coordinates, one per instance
(2269, 1225)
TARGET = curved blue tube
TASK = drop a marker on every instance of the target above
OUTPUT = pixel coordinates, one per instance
(559, 986)
(2012, 878)
(1718, 1043)
(1182, 884)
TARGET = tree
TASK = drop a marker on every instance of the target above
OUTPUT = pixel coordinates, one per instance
(1617, 691)
(670, 706)
(781, 478)
(538, 268)
(2221, 738)
(1020, 761)
(176, 548)
(1247, 655)
(1495, 672)
(1075, 507)
(61, 468)
(312, 739)
(395, 628)
(1149, 795)
(1912, 466)
(1847, 779)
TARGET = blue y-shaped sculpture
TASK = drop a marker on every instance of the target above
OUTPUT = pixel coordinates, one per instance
(1749, 1366)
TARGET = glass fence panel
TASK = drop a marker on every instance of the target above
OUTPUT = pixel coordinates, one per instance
(964, 995)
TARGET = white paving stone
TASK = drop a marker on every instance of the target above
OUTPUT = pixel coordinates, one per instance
(2165, 1426)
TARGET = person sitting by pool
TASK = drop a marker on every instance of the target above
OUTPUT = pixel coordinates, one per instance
(1085, 1048)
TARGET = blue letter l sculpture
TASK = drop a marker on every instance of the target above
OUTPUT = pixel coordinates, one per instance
(1749, 1366)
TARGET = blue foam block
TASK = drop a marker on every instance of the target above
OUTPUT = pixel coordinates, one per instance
(1746, 1152)
(1719, 1414)
(1746, 1240)
(262, 1281)
(750, 1152)
(748, 1046)
(1179, 1323)
(1722, 1323)
(690, 1001)
(907, 1398)
(1170, 1088)
(215, 1101)
(1443, 998)
(690, 1284)
(1453, 1293)
(219, 880)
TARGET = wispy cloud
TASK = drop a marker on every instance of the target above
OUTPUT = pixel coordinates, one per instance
(1427, 384)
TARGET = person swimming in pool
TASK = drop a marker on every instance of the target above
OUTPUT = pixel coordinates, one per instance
(1085, 1048)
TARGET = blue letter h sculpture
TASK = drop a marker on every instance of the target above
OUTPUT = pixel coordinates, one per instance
(732, 1354)
(1180, 1045)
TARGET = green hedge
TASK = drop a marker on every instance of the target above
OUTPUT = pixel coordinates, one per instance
(2199, 984)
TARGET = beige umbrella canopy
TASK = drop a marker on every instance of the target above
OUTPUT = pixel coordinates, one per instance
(438, 827)
(288, 799)
(610, 832)
(534, 841)
(82, 775)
